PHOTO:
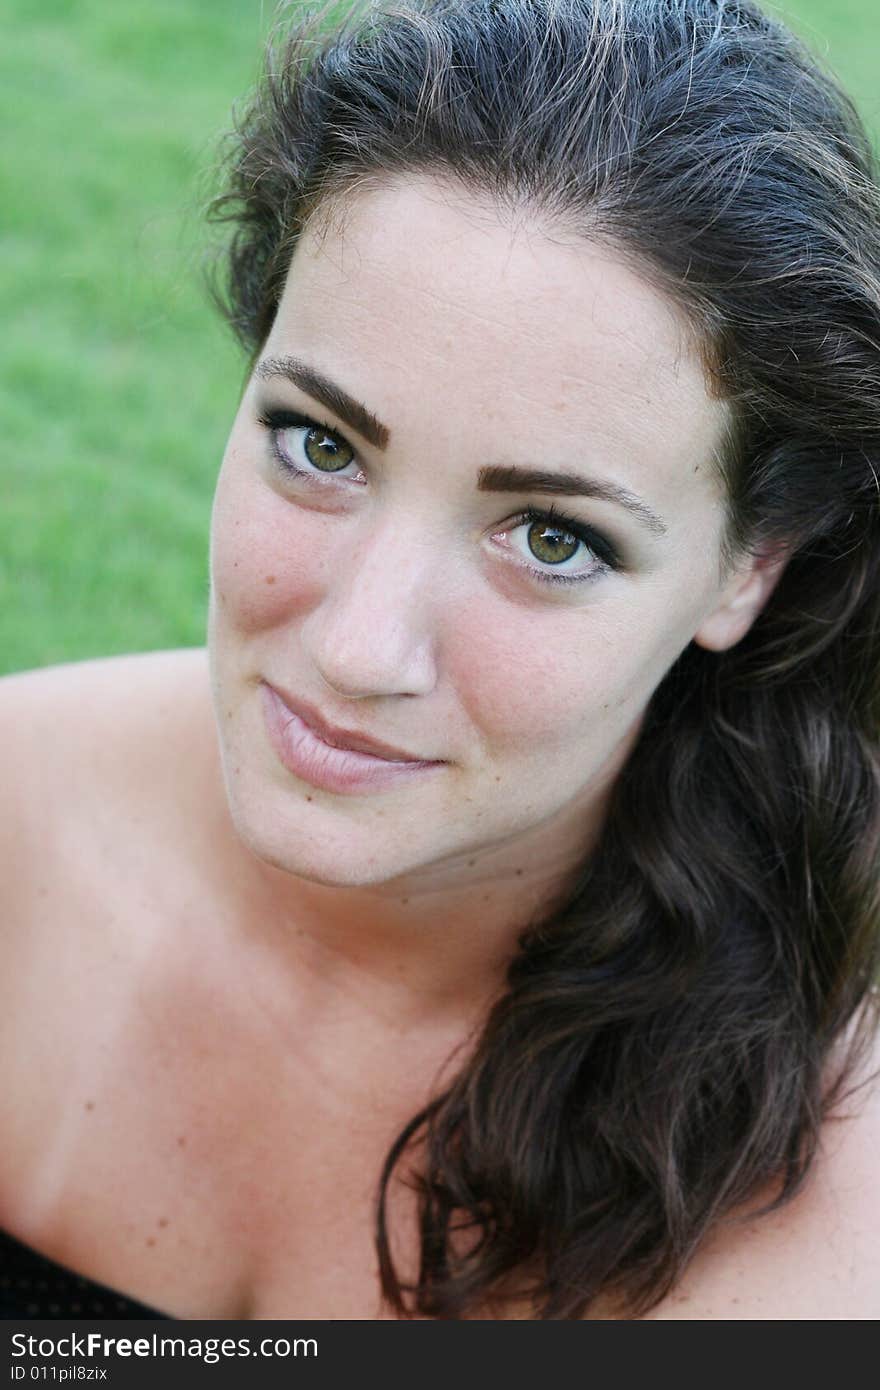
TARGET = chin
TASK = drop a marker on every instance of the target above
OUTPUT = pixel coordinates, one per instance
(315, 855)
(305, 832)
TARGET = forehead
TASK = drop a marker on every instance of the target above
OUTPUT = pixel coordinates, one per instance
(413, 295)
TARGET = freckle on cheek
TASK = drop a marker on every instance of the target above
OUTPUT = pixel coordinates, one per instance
(270, 579)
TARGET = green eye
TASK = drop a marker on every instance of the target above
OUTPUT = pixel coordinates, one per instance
(553, 539)
(550, 544)
(326, 451)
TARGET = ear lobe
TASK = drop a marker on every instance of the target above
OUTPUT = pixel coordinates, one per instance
(742, 599)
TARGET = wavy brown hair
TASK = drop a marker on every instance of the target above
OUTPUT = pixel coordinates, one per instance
(663, 1051)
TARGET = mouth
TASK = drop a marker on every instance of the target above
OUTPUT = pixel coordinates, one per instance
(333, 767)
(351, 740)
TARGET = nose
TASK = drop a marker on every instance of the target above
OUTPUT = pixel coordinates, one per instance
(373, 632)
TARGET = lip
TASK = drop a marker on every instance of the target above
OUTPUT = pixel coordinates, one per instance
(304, 751)
(344, 738)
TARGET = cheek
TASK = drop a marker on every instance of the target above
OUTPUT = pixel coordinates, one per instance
(563, 689)
(262, 574)
(531, 680)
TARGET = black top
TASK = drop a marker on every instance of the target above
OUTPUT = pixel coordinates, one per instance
(33, 1286)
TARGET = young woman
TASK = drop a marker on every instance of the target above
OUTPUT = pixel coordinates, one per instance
(485, 924)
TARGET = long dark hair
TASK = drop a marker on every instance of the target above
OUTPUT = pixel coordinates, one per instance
(663, 1050)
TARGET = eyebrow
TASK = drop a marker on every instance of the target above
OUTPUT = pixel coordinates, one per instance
(503, 478)
(322, 389)
(493, 478)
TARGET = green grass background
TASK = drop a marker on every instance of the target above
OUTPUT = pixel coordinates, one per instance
(118, 382)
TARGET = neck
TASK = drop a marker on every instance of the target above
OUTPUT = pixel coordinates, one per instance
(430, 947)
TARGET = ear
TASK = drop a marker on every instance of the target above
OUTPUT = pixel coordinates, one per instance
(742, 599)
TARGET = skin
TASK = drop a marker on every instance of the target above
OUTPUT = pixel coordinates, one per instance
(396, 597)
(225, 992)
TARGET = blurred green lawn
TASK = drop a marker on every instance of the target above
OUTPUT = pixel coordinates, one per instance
(118, 382)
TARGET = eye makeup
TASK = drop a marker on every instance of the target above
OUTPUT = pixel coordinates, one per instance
(277, 422)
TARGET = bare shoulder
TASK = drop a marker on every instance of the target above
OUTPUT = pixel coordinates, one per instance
(84, 690)
(818, 1257)
(67, 707)
(80, 740)
(103, 799)
(90, 752)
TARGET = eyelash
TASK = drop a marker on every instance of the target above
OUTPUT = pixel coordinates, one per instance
(274, 421)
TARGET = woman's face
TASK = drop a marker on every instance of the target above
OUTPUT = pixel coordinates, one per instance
(398, 584)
